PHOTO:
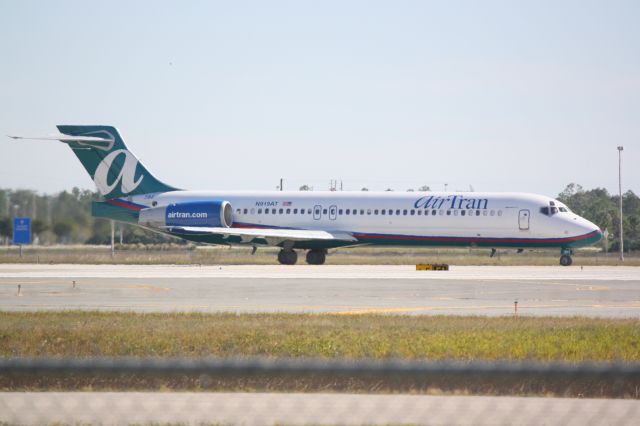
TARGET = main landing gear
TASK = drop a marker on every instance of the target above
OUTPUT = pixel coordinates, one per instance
(316, 257)
(287, 257)
(565, 257)
(290, 257)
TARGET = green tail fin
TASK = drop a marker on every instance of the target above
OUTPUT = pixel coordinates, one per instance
(113, 168)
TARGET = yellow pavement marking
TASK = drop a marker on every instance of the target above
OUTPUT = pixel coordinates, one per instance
(593, 288)
(149, 287)
(509, 308)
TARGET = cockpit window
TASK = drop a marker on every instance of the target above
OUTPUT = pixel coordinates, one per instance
(544, 210)
(563, 209)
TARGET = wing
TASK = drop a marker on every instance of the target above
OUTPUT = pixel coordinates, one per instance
(271, 236)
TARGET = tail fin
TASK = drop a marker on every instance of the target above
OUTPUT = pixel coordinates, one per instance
(114, 169)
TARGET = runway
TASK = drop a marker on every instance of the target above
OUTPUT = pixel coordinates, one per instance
(276, 408)
(464, 290)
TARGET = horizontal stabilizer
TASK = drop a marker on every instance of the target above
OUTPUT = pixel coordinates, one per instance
(104, 144)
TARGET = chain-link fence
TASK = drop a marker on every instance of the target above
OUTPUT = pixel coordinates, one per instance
(285, 391)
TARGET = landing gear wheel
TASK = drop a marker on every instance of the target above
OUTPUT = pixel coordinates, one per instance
(316, 257)
(565, 260)
(287, 257)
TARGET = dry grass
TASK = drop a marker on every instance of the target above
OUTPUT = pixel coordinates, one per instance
(210, 255)
(93, 334)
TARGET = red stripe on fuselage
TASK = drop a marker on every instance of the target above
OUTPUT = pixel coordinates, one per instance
(476, 239)
(125, 205)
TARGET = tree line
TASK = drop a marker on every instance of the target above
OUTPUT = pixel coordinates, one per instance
(65, 217)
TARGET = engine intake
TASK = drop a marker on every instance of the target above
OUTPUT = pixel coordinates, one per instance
(196, 213)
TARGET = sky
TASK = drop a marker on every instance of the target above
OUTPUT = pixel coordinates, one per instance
(494, 95)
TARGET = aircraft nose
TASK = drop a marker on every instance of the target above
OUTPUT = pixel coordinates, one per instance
(591, 228)
(598, 233)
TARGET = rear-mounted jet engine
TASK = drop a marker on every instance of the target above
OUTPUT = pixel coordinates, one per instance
(200, 213)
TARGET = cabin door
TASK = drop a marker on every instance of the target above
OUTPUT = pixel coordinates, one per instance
(523, 220)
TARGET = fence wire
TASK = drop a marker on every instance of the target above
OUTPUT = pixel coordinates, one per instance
(324, 405)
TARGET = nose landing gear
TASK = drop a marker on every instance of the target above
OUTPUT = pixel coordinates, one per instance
(565, 257)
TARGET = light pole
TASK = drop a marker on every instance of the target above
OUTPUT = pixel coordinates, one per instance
(620, 149)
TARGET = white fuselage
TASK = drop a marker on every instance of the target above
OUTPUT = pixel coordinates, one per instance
(435, 218)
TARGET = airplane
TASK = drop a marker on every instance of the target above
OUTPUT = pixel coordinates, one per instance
(318, 221)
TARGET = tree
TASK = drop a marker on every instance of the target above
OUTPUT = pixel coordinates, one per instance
(364, 189)
(305, 188)
(62, 230)
(424, 188)
(5, 228)
(411, 190)
(38, 226)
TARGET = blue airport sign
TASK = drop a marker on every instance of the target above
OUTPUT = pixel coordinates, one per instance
(22, 230)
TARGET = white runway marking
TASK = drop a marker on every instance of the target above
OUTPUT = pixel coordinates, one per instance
(593, 273)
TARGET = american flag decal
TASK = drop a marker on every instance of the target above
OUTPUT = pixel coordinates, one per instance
(286, 203)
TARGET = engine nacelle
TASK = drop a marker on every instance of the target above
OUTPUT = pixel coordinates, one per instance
(194, 213)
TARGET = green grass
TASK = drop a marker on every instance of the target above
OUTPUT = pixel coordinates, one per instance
(93, 334)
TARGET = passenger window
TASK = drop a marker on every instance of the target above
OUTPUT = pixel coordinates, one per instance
(499, 212)
(288, 211)
(368, 211)
(413, 212)
(348, 211)
(463, 212)
(253, 211)
(484, 212)
(390, 212)
(448, 212)
(281, 211)
(477, 212)
(493, 213)
(441, 212)
(301, 211)
(324, 211)
(375, 211)
(361, 211)
(259, 211)
(308, 211)
(295, 211)
(419, 212)
(404, 212)
(433, 212)
(246, 211)
(238, 211)
(355, 212)
(398, 212)
(383, 212)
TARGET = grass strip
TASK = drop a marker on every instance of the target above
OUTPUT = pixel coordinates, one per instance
(194, 335)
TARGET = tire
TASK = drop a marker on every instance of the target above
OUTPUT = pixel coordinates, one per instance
(287, 257)
(316, 257)
(565, 260)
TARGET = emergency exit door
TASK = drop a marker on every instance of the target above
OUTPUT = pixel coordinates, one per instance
(523, 220)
